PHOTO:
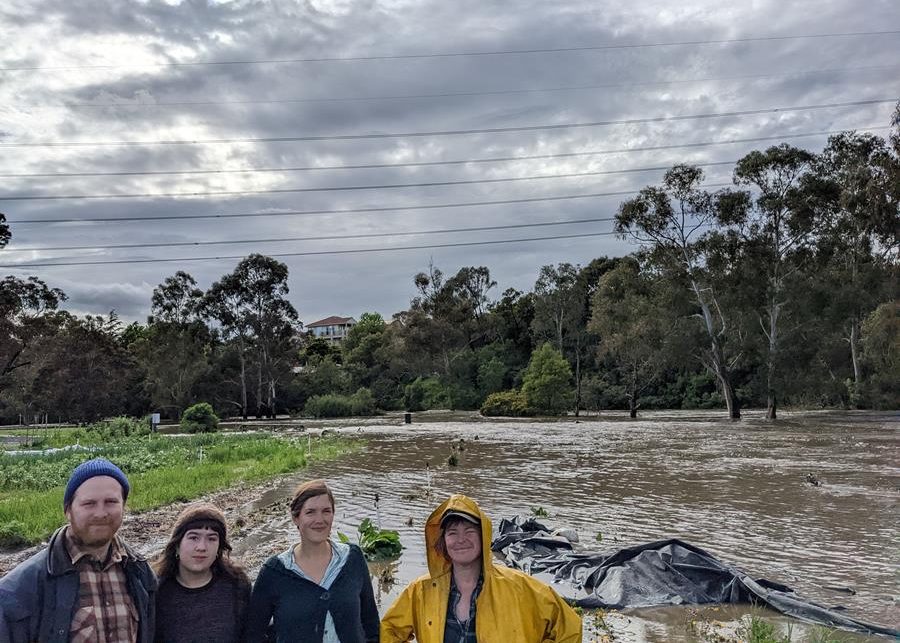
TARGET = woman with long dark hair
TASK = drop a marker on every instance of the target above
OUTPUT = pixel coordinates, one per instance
(203, 594)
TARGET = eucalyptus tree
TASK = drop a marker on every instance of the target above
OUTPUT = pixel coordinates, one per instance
(859, 243)
(177, 299)
(254, 315)
(772, 228)
(175, 349)
(449, 316)
(632, 324)
(561, 311)
(85, 372)
(671, 222)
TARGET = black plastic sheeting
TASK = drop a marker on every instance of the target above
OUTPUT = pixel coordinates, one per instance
(665, 572)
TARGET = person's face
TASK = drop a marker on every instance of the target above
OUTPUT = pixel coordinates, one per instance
(198, 550)
(314, 520)
(462, 540)
(96, 511)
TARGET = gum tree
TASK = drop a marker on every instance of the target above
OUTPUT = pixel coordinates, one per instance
(671, 221)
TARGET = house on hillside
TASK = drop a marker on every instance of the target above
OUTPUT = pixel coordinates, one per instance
(333, 329)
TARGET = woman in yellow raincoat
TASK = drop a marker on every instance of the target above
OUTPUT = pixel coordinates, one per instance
(466, 598)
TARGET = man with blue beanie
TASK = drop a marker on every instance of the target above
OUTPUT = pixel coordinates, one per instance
(87, 584)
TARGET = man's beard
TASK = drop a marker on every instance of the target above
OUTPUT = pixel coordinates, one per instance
(90, 534)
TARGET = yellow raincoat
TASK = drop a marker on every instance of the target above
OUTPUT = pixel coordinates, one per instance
(512, 607)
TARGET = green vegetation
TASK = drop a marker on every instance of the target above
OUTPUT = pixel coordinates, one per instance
(376, 544)
(755, 630)
(547, 381)
(540, 512)
(199, 418)
(506, 403)
(162, 470)
(333, 406)
(706, 625)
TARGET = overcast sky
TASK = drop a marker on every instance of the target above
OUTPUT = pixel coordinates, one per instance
(96, 71)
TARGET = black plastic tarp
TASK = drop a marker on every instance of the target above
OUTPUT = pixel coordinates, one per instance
(665, 572)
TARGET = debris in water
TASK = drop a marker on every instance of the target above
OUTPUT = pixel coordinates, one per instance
(812, 479)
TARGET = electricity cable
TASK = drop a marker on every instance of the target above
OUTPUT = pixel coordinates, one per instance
(496, 159)
(372, 235)
(470, 93)
(287, 213)
(458, 132)
(308, 253)
(345, 188)
(458, 54)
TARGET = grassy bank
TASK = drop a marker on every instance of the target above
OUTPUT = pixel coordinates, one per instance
(161, 469)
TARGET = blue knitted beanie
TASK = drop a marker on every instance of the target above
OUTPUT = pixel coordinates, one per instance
(89, 469)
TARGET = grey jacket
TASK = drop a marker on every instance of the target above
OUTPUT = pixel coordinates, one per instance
(39, 597)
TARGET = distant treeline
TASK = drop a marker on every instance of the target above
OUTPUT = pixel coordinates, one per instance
(781, 290)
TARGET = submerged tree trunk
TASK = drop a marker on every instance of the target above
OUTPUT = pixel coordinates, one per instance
(854, 350)
(731, 401)
(717, 355)
(632, 397)
(577, 381)
(771, 411)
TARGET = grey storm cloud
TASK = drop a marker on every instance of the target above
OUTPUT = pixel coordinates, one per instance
(109, 76)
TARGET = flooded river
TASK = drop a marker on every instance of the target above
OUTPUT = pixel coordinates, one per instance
(737, 490)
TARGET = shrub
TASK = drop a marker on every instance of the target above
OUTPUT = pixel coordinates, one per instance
(547, 381)
(12, 534)
(199, 418)
(328, 406)
(362, 402)
(507, 403)
(425, 393)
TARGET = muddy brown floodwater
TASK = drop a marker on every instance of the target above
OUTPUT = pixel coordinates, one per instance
(737, 490)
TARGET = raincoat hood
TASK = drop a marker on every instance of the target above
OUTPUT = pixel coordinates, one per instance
(437, 564)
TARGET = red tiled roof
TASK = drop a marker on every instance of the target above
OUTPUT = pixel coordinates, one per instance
(334, 320)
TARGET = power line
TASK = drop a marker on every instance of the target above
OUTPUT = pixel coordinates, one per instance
(496, 159)
(434, 206)
(488, 130)
(308, 253)
(346, 188)
(456, 94)
(373, 235)
(505, 52)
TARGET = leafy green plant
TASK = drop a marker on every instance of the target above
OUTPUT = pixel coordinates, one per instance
(376, 544)
(200, 418)
(506, 403)
(540, 512)
(13, 534)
